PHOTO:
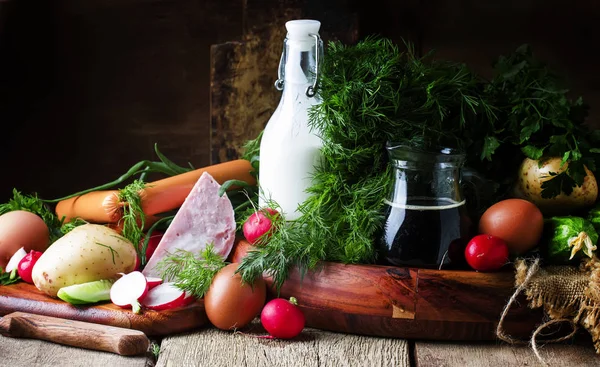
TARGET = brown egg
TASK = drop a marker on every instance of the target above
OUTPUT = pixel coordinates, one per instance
(21, 228)
(518, 222)
(240, 250)
(232, 304)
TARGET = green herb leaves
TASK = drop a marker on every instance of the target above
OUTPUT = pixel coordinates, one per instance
(7, 278)
(537, 119)
(134, 219)
(190, 272)
(372, 93)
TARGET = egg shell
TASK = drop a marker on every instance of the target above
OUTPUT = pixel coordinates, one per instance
(20, 228)
(240, 250)
(230, 303)
(517, 221)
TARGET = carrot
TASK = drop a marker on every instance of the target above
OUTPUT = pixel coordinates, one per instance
(158, 196)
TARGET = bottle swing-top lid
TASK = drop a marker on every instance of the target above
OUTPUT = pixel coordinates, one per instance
(302, 36)
(302, 29)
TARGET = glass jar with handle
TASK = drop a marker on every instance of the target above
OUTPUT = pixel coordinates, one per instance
(426, 213)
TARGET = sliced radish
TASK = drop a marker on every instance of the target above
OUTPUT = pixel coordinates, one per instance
(164, 296)
(188, 299)
(129, 290)
(15, 260)
(153, 282)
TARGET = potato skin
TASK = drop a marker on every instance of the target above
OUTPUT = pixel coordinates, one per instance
(83, 255)
(529, 187)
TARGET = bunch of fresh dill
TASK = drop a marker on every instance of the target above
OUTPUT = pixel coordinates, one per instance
(372, 93)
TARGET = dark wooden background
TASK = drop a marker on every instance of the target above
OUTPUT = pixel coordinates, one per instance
(88, 87)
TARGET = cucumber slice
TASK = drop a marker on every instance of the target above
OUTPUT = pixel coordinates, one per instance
(92, 292)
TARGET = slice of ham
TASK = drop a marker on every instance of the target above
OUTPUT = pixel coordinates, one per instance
(203, 218)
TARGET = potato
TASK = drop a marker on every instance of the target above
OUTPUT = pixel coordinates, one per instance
(88, 253)
(529, 187)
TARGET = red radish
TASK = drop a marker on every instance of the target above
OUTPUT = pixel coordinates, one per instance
(152, 244)
(165, 296)
(26, 265)
(15, 259)
(282, 319)
(188, 299)
(153, 282)
(485, 252)
(128, 290)
(259, 225)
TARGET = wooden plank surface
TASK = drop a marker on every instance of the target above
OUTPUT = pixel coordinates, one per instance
(313, 348)
(36, 353)
(26, 298)
(484, 354)
(214, 348)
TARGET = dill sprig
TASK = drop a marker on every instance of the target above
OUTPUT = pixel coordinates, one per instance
(133, 219)
(190, 272)
(372, 93)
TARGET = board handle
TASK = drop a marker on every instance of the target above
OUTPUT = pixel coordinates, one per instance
(126, 342)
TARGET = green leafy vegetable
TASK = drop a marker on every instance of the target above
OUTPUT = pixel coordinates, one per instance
(134, 219)
(252, 152)
(594, 218)
(536, 119)
(9, 278)
(190, 272)
(69, 226)
(371, 93)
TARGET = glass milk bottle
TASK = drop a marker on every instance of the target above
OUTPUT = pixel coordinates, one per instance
(289, 149)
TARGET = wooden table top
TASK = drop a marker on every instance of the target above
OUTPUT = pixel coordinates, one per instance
(215, 348)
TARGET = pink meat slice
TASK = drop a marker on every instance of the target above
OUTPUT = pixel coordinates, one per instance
(203, 218)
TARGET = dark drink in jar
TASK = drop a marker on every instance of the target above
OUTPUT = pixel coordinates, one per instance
(419, 233)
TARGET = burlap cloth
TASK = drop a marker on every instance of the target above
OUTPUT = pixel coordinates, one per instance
(566, 293)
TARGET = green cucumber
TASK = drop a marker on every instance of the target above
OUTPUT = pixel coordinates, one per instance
(594, 217)
(91, 292)
(566, 240)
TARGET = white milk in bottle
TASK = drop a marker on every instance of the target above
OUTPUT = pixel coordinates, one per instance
(289, 149)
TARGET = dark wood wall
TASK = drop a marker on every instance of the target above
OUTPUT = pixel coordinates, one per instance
(88, 87)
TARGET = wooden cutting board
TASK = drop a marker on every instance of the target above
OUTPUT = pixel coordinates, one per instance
(26, 298)
(410, 303)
